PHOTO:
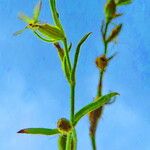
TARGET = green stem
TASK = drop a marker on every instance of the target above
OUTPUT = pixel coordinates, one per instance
(67, 53)
(72, 106)
(72, 99)
(74, 139)
(105, 36)
(68, 144)
(69, 137)
(93, 142)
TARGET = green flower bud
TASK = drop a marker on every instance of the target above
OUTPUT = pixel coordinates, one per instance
(51, 32)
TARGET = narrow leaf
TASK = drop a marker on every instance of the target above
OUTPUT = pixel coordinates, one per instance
(93, 106)
(25, 18)
(69, 48)
(78, 52)
(55, 13)
(37, 10)
(112, 57)
(19, 32)
(123, 2)
(41, 131)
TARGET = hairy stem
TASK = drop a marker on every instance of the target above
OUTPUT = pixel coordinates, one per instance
(100, 83)
(98, 113)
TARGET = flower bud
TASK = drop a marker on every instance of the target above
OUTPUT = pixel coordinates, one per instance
(51, 32)
(115, 32)
(101, 62)
(64, 125)
(110, 10)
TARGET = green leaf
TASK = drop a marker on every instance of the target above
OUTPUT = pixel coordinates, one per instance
(77, 53)
(55, 13)
(37, 10)
(19, 32)
(112, 57)
(41, 131)
(123, 2)
(25, 18)
(93, 106)
(69, 48)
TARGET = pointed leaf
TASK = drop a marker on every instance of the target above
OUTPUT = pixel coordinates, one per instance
(37, 11)
(55, 13)
(78, 52)
(123, 2)
(19, 32)
(62, 142)
(112, 57)
(93, 106)
(117, 15)
(41, 131)
(69, 48)
(25, 18)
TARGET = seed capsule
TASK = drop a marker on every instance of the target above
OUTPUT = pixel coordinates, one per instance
(101, 62)
(64, 125)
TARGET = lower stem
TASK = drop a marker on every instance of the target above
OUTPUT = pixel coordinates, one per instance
(72, 136)
(74, 140)
(68, 143)
(99, 93)
(93, 141)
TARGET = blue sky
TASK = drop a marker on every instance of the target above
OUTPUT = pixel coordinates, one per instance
(34, 93)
